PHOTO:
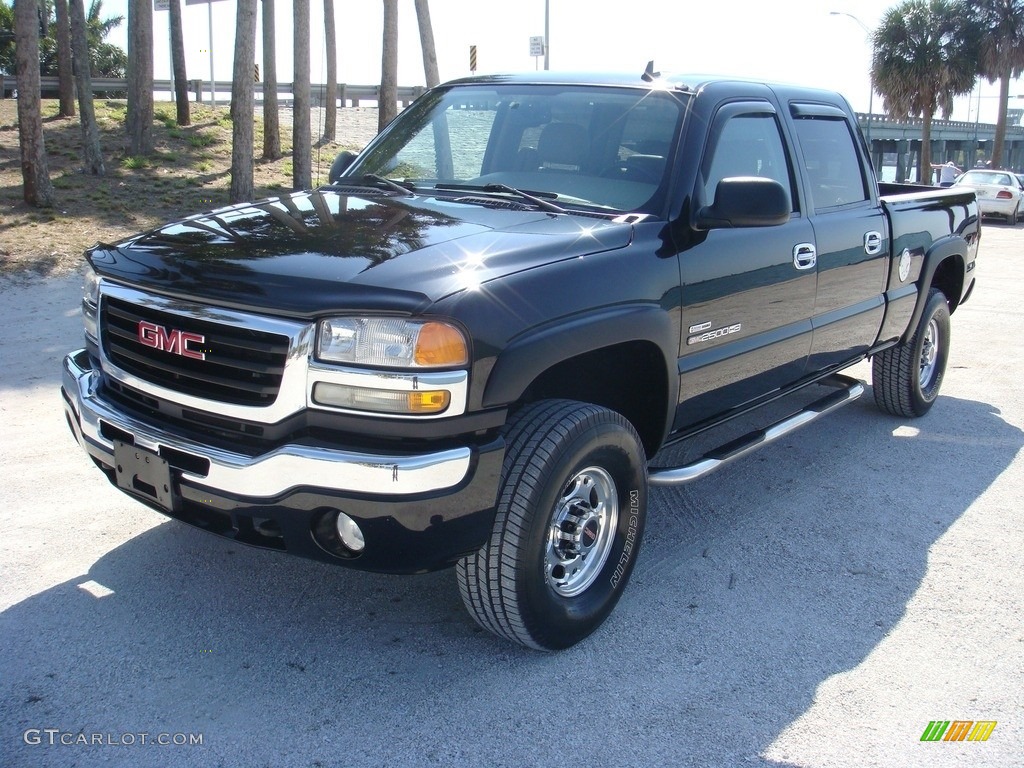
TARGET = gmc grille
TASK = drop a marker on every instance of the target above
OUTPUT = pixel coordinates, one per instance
(242, 366)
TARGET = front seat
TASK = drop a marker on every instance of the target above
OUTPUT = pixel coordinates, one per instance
(562, 147)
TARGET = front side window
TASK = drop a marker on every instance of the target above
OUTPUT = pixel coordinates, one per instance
(748, 145)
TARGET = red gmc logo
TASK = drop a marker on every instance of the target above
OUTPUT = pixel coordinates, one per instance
(174, 341)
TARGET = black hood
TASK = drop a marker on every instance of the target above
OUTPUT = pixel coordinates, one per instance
(317, 252)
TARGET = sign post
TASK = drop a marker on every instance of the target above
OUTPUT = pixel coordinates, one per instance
(165, 5)
(209, 11)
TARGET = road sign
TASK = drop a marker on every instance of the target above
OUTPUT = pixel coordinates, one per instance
(161, 5)
(472, 58)
(537, 45)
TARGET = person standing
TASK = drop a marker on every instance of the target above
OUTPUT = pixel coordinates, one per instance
(947, 174)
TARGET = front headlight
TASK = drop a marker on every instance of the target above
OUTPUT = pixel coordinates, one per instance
(391, 342)
(90, 303)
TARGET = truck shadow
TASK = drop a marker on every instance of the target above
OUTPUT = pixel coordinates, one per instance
(754, 586)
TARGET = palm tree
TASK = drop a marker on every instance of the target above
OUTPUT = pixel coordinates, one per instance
(427, 43)
(302, 140)
(242, 102)
(331, 96)
(107, 60)
(182, 112)
(271, 121)
(925, 54)
(38, 191)
(1002, 55)
(140, 77)
(387, 101)
(92, 156)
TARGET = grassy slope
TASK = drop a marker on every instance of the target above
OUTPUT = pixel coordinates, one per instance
(189, 172)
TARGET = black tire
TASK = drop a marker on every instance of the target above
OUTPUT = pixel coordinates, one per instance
(564, 459)
(906, 378)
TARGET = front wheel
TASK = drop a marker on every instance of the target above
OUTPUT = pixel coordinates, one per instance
(906, 378)
(570, 515)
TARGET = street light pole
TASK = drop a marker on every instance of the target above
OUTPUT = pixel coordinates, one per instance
(547, 35)
(871, 94)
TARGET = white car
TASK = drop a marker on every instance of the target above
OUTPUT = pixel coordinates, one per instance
(999, 193)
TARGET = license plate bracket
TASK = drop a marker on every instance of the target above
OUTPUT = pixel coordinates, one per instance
(144, 473)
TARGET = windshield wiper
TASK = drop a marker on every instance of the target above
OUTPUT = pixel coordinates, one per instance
(506, 189)
(372, 179)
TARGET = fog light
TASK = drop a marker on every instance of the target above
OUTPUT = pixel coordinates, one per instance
(380, 400)
(349, 532)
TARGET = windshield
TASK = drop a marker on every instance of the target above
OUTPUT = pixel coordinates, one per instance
(590, 146)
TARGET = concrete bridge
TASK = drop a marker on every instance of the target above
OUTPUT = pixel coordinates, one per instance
(966, 144)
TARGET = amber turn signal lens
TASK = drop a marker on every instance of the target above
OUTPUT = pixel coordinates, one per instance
(439, 344)
(428, 402)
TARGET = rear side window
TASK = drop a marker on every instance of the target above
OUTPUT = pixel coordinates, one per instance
(831, 162)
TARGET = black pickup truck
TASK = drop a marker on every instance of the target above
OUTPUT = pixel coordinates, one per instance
(466, 348)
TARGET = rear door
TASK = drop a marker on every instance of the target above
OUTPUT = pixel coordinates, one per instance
(850, 233)
(747, 293)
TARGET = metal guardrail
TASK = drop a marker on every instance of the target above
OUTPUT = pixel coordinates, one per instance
(886, 127)
(348, 94)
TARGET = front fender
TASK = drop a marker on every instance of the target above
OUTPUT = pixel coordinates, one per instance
(534, 352)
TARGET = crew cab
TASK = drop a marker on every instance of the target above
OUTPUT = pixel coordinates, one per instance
(466, 348)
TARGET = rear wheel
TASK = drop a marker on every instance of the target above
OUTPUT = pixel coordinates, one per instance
(570, 515)
(906, 378)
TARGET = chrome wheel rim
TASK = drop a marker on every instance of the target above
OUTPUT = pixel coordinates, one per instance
(929, 354)
(581, 532)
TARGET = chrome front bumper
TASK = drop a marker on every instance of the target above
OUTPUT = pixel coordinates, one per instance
(94, 422)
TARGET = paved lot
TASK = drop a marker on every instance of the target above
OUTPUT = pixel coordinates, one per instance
(816, 604)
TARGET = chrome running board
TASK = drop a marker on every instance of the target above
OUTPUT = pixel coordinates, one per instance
(848, 390)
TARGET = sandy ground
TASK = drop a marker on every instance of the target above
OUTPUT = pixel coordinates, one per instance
(816, 604)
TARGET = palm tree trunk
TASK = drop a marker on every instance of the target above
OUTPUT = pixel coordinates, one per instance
(271, 121)
(924, 166)
(427, 43)
(140, 77)
(302, 166)
(38, 191)
(387, 102)
(183, 116)
(242, 102)
(331, 97)
(92, 155)
(1000, 139)
(65, 78)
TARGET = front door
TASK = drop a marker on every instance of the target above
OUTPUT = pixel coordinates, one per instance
(747, 293)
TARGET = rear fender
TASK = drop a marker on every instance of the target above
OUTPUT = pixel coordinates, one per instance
(947, 254)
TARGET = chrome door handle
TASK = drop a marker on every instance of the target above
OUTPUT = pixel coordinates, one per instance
(804, 256)
(872, 243)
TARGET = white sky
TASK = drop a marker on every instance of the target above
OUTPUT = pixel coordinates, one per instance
(795, 41)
